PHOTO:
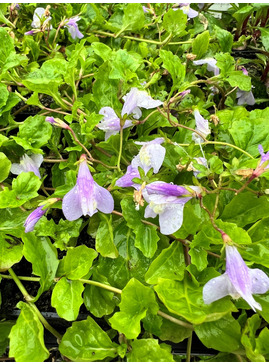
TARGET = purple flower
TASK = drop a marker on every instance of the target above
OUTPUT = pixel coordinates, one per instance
(151, 155)
(111, 122)
(28, 164)
(145, 9)
(211, 64)
(167, 201)
(87, 196)
(71, 25)
(126, 180)
(201, 126)
(243, 69)
(264, 157)
(39, 19)
(245, 97)
(32, 32)
(57, 122)
(136, 99)
(238, 281)
(33, 218)
(185, 7)
(184, 93)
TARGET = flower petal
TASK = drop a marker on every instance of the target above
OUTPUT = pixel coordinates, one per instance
(33, 218)
(217, 288)
(71, 205)
(149, 212)
(37, 159)
(165, 188)
(16, 168)
(104, 199)
(126, 179)
(259, 280)
(171, 218)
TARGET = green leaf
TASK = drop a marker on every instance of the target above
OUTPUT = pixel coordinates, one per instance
(174, 332)
(98, 300)
(5, 327)
(104, 242)
(61, 233)
(134, 17)
(66, 298)
(48, 78)
(102, 50)
(43, 255)
(136, 300)
(185, 299)
(10, 251)
(226, 63)
(3, 95)
(124, 65)
(246, 208)
(77, 262)
(170, 264)
(11, 221)
(265, 38)
(247, 133)
(146, 236)
(249, 341)
(200, 44)
(238, 79)
(7, 46)
(150, 350)
(5, 166)
(175, 22)
(34, 133)
(105, 90)
(222, 335)
(224, 38)
(27, 337)
(86, 341)
(241, 14)
(146, 239)
(26, 185)
(174, 66)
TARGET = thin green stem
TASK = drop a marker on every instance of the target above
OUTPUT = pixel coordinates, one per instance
(228, 145)
(45, 322)
(120, 151)
(28, 299)
(101, 285)
(174, 320)
(25, 294)
(188, 353)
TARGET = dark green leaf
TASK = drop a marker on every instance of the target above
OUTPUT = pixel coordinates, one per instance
(104, 238)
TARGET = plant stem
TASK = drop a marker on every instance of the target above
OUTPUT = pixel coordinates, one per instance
(188, 358)
(101, 285)
(28, 300)
(175, 321)
(120, 151)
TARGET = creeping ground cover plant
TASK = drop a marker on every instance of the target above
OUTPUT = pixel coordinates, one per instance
(134, 175)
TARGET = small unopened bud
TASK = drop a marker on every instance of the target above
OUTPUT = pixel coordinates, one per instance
(181, 167)
(57, 122)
